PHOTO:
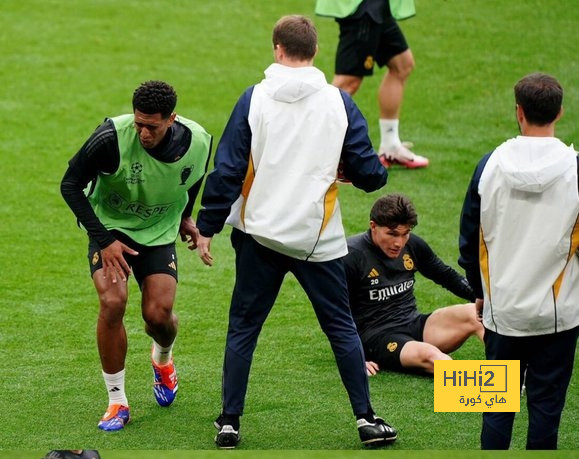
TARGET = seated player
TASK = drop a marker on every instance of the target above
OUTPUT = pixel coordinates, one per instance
(381, 266)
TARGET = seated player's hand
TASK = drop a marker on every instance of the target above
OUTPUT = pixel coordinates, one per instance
(372, 368)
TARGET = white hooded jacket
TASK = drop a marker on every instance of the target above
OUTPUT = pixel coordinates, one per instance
(289, 199)
(529, 209)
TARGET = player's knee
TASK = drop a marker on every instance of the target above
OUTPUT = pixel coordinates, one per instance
(348, 84)
(473, 322)
(112, 306)
(421, 356)
(407, 71)
(433, 353)
(402, 73)
(477, 329)
(427, 356)
(402, 66)
(353, 86)
(158, 316)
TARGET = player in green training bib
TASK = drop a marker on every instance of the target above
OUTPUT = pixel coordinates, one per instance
(132, 186)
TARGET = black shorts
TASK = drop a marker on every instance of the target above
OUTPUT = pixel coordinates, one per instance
(385, 348)
(150, 260)
(364, 42)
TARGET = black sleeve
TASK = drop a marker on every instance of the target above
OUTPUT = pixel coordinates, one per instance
(430, 266)
(193, 192)
(99, 154)
(351, 264)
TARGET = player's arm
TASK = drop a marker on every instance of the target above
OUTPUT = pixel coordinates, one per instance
(99, 154)
(354, 268)
(360, 162)
(187, 228)
(433, 268)
(351, 268)
(353, 265)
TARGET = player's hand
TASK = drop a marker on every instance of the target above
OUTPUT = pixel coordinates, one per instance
(189, 232)
(372, 368)
(478, 305)
(115, 266)
(204, 249)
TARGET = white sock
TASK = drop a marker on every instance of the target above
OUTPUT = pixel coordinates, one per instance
(389, 137)
(116, 388)
(162, 355)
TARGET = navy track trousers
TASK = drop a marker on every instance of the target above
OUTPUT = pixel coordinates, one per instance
(259, 275)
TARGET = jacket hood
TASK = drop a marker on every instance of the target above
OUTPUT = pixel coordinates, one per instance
(533, 164)
(290, 84)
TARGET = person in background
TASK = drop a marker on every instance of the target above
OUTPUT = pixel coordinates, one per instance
(371, 36)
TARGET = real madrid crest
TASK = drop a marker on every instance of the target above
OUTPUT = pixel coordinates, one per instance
(408, 262)
(369, 63)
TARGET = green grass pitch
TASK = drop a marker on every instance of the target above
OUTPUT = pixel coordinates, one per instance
(67, 64)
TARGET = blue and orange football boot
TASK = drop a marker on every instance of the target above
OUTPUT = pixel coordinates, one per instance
(115, 418)
(166, 383)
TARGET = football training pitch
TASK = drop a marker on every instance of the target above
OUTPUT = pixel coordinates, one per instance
(68, 64)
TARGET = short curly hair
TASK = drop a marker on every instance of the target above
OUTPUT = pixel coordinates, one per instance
(155, 97)
(393, 210)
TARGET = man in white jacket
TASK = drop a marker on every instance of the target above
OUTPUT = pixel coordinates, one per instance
(275, 182)
(518, 243)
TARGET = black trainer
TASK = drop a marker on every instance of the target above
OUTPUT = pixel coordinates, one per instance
(227, 437)
(376, 433)
(218, 422)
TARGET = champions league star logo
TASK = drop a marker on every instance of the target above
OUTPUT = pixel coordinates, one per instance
(135, 177)
(185, 173)
(136, 168)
